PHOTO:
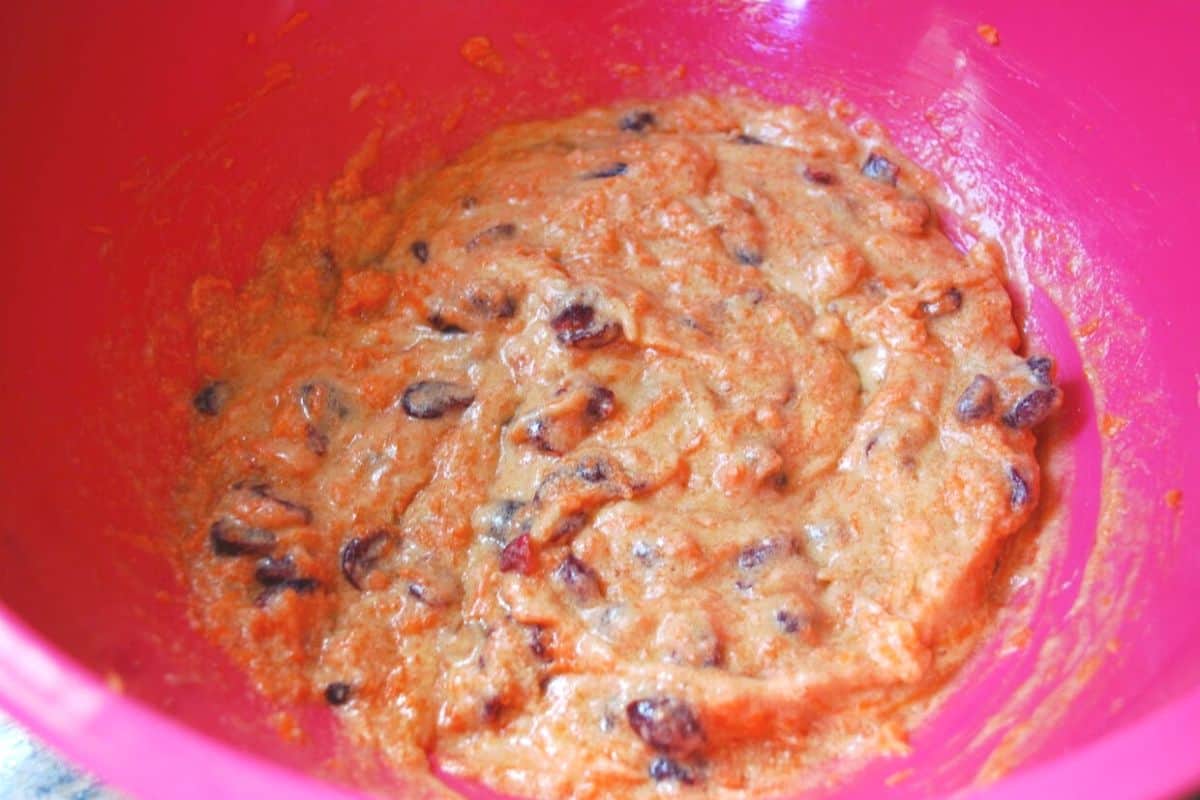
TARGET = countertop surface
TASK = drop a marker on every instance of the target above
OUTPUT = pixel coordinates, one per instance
(31, 771)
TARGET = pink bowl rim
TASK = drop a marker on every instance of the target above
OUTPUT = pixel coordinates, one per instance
(110, 735)
(107, 734)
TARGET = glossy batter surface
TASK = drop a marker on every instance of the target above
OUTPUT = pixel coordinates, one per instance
(662, 449)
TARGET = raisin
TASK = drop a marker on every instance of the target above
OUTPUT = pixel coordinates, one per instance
(493, 304)
(580, 579)
(493, 707)
(496, 233)
(878, 168)
(360, 555)
(518, 556)
(1031, 409)
(337, 694)
(442, 325)
(637, 121)
(788, 621)
(745, 138)
(315, 440)
(323, 408)
(297, 585)
(1018, 494)
(946, 303)
(568, 526)
(422, 592)
(559, 426)
(748, 257)
(541, 433)
(273, 571)
(592, 480)
(437, 587)
(593, 470)
(320, 400)
(301, 585)
(819, 176)
(757, 554)
(299, 514)
(607, 171)
(538, 642)
(327, 262)
(666, 769)
(1042, 368)
(645, 553)
(667, 724)
(600, 403)
(229, 538)
(978, 400)
(500, 519)
(212, 398)
(420, 250)
(577, 326)
(432, 399)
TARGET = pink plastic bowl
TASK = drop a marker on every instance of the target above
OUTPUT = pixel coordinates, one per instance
(153, 142)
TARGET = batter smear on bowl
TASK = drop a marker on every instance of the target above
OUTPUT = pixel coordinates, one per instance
(664, 448)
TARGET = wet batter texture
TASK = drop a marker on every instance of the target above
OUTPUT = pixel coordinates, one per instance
(666, 448)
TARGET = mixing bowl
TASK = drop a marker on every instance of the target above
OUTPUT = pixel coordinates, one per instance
(150, 143)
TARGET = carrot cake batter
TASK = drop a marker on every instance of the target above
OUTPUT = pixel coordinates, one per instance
(665, 448)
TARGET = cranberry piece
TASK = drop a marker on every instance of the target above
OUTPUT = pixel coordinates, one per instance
(518, 555)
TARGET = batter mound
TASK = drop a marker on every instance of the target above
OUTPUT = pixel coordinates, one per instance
(665, 448)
